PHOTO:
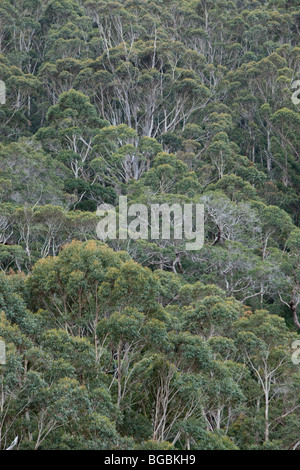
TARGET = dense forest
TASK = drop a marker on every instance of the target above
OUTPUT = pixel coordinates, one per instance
(141, 344)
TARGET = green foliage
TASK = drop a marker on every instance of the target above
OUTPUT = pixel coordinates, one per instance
(140, 344)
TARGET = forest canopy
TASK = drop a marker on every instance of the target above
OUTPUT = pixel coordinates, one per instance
(141, 344)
